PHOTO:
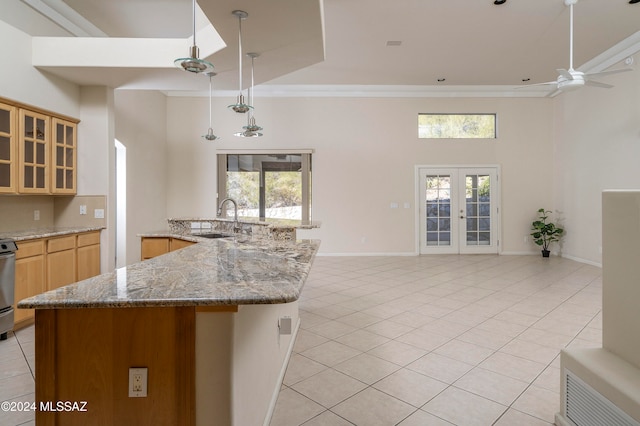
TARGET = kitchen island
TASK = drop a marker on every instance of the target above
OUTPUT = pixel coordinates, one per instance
(213, 324)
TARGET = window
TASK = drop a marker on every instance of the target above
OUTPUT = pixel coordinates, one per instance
(267, 185)
(456, 126)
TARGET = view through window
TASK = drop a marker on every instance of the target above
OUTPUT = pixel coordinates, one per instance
(267, 185)
(456, 126)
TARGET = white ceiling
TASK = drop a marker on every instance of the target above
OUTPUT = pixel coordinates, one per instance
(466, 42)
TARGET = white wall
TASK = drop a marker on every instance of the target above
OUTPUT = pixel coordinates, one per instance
(597, 140)
(365, 153)
(140, 127)
(22, 82)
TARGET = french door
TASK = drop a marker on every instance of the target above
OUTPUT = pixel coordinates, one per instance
(459, 209)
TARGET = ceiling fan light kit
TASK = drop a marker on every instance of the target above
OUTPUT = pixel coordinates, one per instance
(193, 63)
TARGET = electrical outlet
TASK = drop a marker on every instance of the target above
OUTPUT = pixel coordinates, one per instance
(137, 382)
(98, 213)
(83, 209)
(36, 215)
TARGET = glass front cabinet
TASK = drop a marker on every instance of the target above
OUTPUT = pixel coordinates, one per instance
(38, 151)
(34, 147)
(7, 148)
(64, 157)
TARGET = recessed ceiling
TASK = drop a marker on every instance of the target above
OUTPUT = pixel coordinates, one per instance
(469, 43)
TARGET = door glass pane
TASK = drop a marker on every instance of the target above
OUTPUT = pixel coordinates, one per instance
(28, 176)
(5, 175)
(59, 178)
(59, 156)
(69, 157)
(70, 136)
(28, 152)
(69, 179)
(5, 122)
(40, 177)
(5, 148)
(478, 208)
(59, 133)
(40, 129)
(40, 153)
(438, 209)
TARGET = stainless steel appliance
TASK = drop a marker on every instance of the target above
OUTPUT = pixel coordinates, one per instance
(7, 285)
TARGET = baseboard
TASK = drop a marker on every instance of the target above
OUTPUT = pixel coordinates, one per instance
(283, 371)
(559, 420)
(367, 254)
(579, 259)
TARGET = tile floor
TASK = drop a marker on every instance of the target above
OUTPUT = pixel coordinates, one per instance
(429, 340)
(437, 340)
(17, 370)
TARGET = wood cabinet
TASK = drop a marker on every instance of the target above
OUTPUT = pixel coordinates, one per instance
(33, 152)
(61, 261)
(63, 154)
(88, 253)
(7, 148)
(156, 246)
(177, 244)
(29, 276)
(38, 150)
(46, 264)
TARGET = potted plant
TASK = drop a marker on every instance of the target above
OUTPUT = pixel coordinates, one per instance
(544, 233)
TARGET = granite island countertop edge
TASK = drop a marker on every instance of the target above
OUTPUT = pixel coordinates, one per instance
(215, 272)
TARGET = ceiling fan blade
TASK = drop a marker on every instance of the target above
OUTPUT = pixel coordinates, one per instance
(598, 84)
(564, 73)
(597, 74)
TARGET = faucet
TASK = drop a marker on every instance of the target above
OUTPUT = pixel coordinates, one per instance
(236, 228)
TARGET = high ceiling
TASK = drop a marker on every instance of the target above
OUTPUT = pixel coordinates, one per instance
(465, 42)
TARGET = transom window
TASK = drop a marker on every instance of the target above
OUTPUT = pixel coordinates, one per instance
(456, 126)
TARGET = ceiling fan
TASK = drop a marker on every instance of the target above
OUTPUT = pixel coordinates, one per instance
(571, 79)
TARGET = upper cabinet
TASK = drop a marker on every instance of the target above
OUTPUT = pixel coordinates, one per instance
(64, 157)
(7, 148)
(34, 147)
(38, 151)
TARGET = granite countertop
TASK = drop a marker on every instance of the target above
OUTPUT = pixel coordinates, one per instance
(270, 222)
(32, 234)
(240, 270)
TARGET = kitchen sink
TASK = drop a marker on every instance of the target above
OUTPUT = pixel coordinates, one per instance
(213, 235)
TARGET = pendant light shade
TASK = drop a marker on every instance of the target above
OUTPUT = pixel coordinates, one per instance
(240, 106)
(251, 130)
(193, 63)
(210, 136)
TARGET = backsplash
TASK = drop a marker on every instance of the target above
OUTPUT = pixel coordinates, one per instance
(22, 212)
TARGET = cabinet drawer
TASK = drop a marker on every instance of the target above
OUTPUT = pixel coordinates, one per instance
(29, 248)
(59, 244)
(88, 239)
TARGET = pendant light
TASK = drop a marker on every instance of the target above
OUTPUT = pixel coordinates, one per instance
(193, 63)
(240, 106)
(251, 130)
(210, 136)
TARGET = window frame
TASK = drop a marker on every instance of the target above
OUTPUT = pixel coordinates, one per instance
(306, 160)
(495, 123)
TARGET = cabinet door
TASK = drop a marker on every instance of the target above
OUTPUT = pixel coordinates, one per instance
(33, 152)
(63, 154)
(29, 282)
(88, 261)
(7, 148)
(177, 243)
(61, 268)
(154, 246)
